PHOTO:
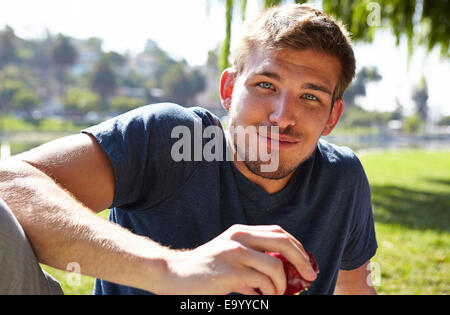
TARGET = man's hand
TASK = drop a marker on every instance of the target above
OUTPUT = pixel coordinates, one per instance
(235, 262)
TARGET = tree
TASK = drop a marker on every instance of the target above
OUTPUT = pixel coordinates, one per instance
(124, 104)
(411, 124)
(197, 82)
(213, 59)
(181, 84)
(358, 117)
(397, 114)
(104, 81)
(114, 59)
(64, 55)
(26, 101)
(163, 62)
(358, 87)
(8, 89)
(42, 63)
(420, 97)
(8, 46)
(444, 121)
(81, 101)
(224, 55)
(95, 43)
(423, 22)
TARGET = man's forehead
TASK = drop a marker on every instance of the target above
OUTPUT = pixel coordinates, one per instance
(288, 63)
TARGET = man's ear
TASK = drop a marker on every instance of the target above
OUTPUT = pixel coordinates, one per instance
(335, 115)
(226, 87)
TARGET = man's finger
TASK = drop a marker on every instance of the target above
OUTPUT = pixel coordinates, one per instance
(260, 239)
(267, 265)
(257, 280)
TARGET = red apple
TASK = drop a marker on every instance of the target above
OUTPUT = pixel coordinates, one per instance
(295, 282)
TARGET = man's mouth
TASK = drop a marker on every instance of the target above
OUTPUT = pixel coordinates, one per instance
(278, 141)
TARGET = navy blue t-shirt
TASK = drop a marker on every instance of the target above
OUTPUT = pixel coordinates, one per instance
(184, 204)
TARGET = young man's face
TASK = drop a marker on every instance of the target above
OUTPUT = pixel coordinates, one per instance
(291, 89)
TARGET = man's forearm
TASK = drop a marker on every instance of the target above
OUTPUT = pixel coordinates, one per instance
(61, 230)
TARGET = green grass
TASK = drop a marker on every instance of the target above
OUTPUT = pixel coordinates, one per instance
(13, 124)
(411, 198)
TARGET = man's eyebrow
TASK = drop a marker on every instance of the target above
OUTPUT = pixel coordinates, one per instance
(269, 74)
(311, 86)
(317, 87)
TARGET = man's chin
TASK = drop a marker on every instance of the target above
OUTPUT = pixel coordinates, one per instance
(257, 168)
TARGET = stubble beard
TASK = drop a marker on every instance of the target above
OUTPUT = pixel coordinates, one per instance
(281, 172)
(256, 166)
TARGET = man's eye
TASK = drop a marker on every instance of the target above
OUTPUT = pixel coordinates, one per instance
(310, 97)
(266, 85)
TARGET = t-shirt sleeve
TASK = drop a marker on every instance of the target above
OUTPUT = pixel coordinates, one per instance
(361, 243)
(138, 144)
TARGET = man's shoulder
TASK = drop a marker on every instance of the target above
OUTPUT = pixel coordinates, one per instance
(173, 113)
(155, 119)
(338, 157)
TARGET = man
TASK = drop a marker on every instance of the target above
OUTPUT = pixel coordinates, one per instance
(184, 224)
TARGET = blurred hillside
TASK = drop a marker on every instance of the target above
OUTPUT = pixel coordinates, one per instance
(77, 80)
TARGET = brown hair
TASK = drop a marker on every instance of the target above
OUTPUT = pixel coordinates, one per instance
(299, 27)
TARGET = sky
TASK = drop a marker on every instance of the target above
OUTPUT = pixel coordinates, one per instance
(189, 29)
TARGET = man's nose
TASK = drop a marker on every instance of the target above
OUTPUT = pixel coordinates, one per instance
(283, 112)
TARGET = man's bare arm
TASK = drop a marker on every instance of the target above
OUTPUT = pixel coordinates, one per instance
(61, 230)
(78, 164)
(355, 282)
(55, 195)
